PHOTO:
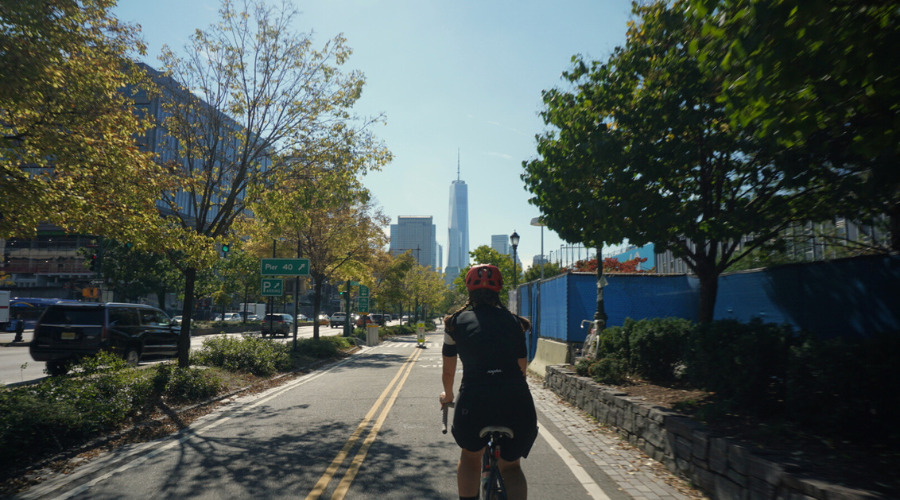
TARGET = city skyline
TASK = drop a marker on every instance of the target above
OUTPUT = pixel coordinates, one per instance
(476, 88)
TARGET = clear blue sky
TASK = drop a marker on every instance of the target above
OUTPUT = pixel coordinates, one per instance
(450, 76)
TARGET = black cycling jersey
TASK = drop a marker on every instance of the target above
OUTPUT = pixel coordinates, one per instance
(489, 341)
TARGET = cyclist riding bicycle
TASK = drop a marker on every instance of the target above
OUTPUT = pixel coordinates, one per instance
(490, 341)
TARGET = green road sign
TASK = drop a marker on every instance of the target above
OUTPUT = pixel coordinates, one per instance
(272, 287)
(363, 299)
(284, 267)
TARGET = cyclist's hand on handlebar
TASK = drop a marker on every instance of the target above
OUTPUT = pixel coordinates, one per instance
(446, 399)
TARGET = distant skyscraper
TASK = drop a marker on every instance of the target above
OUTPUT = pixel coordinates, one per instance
(417, 234)
(458, 228)
(500, 243)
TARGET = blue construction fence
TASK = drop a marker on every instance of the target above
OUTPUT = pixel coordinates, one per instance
(857, 296)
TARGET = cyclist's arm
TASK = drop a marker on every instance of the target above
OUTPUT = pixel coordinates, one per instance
(448, 372)
(447, 375)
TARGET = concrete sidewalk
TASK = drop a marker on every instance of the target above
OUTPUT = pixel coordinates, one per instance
(633, 471)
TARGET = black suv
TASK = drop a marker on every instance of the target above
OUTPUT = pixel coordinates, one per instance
(280, 323)
(66, 332)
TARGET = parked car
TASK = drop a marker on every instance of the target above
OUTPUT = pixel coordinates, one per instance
(338, 319)
(302, 317)
(378, 319)
(228, 317)
(67, 332)
(279, 323)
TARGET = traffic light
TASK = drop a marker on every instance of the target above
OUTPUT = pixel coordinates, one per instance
(93, 262)
(225, 249)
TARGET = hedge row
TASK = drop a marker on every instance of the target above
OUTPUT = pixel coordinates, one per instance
(841, 385)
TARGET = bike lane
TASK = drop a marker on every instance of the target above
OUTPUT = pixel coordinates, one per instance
(366, 427)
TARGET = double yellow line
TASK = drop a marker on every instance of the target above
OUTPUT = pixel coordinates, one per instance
(342, 488)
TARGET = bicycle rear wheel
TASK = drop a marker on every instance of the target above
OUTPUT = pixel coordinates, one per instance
(493, 488)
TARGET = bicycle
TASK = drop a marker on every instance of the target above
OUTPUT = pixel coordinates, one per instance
(492, 486)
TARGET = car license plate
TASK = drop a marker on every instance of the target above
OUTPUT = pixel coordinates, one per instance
(67, 335)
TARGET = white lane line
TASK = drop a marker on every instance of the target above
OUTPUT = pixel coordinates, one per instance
(187, 434)
(593, 489)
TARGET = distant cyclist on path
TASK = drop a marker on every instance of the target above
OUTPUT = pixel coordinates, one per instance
(490, 341)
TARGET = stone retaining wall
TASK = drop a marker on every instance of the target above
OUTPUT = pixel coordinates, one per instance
(722, 468)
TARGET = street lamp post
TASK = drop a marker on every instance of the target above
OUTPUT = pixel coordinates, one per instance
(514, 241)
(538, 222)
(537, 317)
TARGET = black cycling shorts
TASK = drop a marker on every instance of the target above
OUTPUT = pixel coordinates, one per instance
(507, 404)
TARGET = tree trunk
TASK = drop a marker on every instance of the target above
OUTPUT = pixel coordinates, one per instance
(600, 315)
(894, 226)
(709, 288)
(317, 303)
(184, 338)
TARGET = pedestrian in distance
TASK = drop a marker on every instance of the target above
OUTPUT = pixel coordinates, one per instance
(490, 342)
(20, 328)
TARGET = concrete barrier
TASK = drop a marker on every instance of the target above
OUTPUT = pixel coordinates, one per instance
(549, 352)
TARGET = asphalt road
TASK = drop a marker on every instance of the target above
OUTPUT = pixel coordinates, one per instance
(367, 427)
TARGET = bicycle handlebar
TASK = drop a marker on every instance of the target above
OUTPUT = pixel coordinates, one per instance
(444, 408)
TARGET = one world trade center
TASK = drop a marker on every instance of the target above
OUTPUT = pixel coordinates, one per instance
(458, 229)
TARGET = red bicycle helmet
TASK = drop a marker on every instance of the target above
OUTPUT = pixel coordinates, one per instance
(484, 276)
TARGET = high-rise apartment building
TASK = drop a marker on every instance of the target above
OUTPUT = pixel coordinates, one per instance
(415, 233)
(458, 228)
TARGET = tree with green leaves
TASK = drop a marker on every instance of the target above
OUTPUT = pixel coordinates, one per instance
(68, 150)
(426, 290)
(487, 255)
(245, 102)
(330, 221)
(133, 273)
(390, 280)
(820, 81)
(533, 273)
(641, 149)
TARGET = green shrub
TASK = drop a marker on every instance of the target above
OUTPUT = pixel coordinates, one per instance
(323, 347)
(183, 385)
(608, 371)
(851, 379)
(248, 354)
(397, 330)
(656, 347)
(746, 363)
(102, 394)
(613, 343)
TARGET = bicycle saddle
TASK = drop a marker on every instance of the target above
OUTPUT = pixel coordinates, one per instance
(504, 431)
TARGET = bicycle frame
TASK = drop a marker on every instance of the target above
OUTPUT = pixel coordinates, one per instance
(492, 487)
